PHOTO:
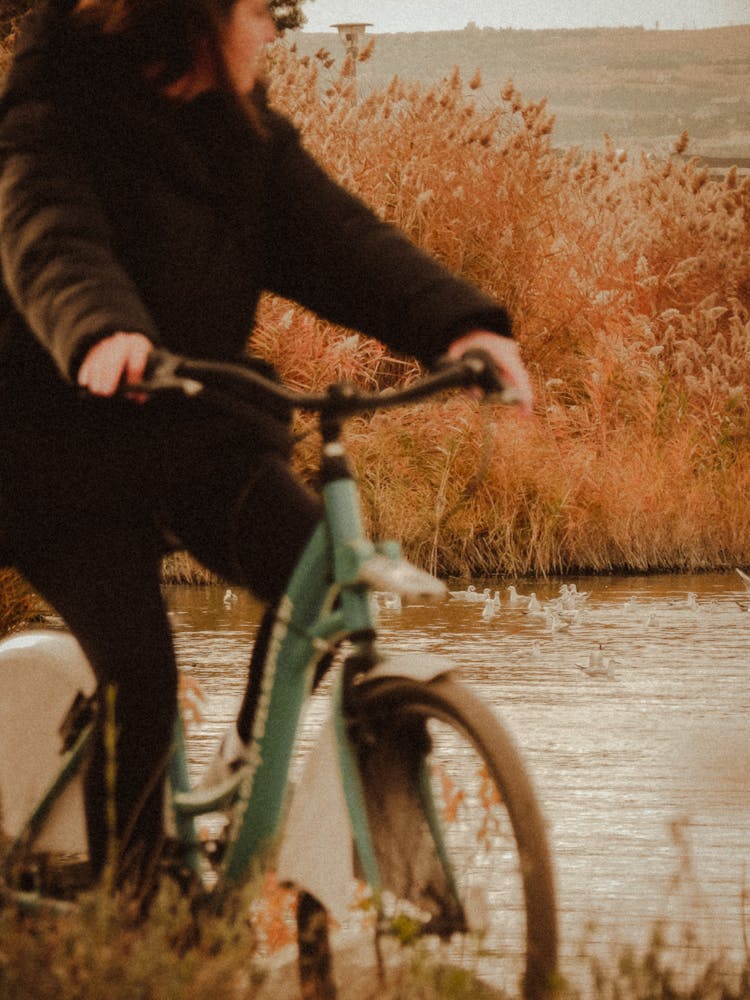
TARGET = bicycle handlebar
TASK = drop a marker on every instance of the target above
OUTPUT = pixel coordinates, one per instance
(170, 372)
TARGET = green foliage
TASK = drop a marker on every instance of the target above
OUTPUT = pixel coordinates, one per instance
(97, 951)
(186, 952)
(655, 975)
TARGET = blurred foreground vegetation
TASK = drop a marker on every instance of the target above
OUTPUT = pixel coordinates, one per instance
(184, 953)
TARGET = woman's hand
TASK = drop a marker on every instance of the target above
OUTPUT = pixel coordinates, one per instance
(119, 359)
(506, 355)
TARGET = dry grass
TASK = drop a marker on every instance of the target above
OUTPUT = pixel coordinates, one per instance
(18, 604)
(629, 281)
(180, 567)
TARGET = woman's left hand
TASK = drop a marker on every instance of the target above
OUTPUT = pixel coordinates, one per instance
(119, 358)
(506, 355)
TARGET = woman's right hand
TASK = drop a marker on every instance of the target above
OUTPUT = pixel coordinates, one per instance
(119, 359)
(506, 355)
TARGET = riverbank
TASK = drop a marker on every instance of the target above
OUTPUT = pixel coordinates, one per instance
(629, 81)
(628, 278)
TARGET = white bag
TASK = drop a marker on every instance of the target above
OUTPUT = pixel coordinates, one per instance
(41, 671)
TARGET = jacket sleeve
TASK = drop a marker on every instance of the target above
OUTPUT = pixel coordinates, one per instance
(335, 256)
(57, 253)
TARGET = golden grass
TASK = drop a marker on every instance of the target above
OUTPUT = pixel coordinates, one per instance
(629, 281)
(180, 567)
(18, 603)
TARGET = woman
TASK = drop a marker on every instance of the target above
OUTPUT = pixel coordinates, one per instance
(147, 197)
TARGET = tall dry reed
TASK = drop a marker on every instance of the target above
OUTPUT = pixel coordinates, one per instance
(629, 281)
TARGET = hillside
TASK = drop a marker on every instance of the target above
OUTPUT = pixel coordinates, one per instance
(642, 87)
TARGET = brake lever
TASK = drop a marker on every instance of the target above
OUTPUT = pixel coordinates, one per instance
(482, 373)
(162, 375)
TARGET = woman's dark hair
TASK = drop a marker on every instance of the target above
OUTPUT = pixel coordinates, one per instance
(161, 35)
(160, 38)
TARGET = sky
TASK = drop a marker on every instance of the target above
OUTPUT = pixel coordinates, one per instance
(450, 15)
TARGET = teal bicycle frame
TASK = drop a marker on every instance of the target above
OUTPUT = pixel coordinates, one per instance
(327, 601)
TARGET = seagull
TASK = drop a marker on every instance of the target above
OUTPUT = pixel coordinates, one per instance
(534, 607)
(554, 621)
(484, 596)
(230, 598)
(470, 594)
(567, 600)
(597, 666)
(489, 610)
(517, 600)
(579, 596)
(392, 601)
(491, 607)
(464, 595)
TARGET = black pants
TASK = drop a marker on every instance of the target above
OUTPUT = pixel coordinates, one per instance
(88, 500)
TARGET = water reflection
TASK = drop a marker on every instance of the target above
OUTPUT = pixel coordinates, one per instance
(644, 774)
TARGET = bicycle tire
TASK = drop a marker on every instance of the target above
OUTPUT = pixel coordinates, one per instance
(510, 858)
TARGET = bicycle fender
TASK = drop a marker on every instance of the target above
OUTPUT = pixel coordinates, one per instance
(422, 667)
(317, 849)
(317, 852)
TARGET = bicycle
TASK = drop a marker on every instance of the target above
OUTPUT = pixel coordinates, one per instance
(412, 769)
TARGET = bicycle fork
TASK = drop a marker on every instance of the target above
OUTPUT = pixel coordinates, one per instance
(330, 808)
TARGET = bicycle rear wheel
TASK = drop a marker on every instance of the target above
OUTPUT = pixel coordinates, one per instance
(491, 825)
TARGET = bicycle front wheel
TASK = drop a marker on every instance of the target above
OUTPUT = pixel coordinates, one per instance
(489, 821)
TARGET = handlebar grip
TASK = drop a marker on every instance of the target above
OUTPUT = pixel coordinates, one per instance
(165, 370)
(481, 371)
(161, 364)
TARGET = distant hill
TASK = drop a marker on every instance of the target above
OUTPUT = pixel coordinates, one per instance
(643, 87)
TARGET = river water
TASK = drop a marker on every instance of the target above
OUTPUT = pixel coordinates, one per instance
(643, 772)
